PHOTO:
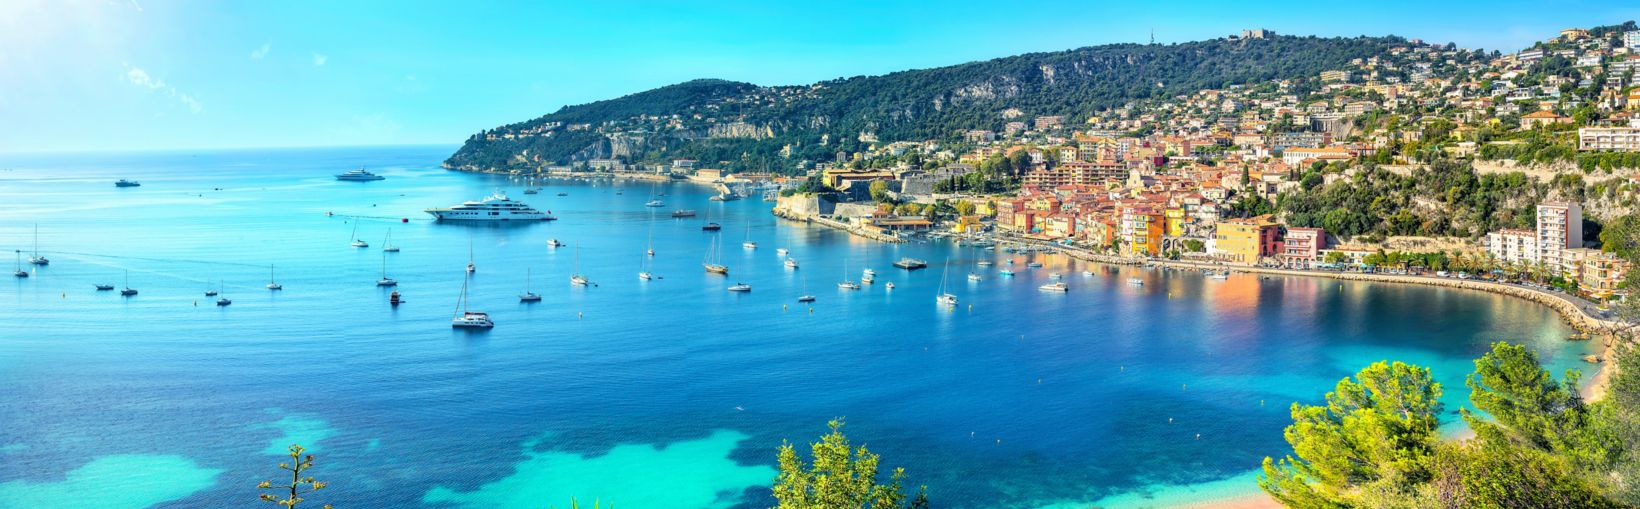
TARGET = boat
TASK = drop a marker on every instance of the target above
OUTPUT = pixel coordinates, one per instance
(210, 292)
(1056, 275)
(385, 281)
(805, 298)
(1135, 281)
(846, 283)
(945, 298)
(974, 277)
(1054, 287)
(359, 175)
(781, 251)
(563, 194)
(393, 298)
(889, 286)
(36, 259)
(273, 284)
(1221, 275)
(911, 264)
(555, 243)
(128, 290)
(866, 280)
(683, 213)
(868, 272)
(711, 227)
(224, 300)
(749, 244)
(471, 267)
(646, 276)
(654, 203)
(496, 207)
(1006, 273)
(358, 242)
(1034, 265)
(127, 183)
(465, 319)
(532, 191)
(1087, 273)
(387, 244)
(740, 287)
(791, 263)
(577, 279)
(713, 262)
(104, 288)
(986, 263)
(528, 296)
(20, 272)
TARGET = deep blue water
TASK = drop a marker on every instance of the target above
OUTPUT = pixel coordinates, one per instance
(670, 393)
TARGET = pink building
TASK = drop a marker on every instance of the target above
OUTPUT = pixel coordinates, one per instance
(1302, 246)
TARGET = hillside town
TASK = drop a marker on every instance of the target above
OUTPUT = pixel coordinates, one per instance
(1196, 177)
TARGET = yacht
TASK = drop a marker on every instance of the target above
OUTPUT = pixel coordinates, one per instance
(555, 243)
(272, 283)
(781, 251)
(1006, 273)
(749, 244)
(866, 280)
(654, 203)
(683, 213)
(359, 175)
(532, 191)
(1135, 281)
(889, 286)
(127, 183)
(465, 319)
(36, 259)
(986, 263)
(711, 227)
(806, 298)
(128, 291)
(848, 285)
(387, 244)
(496, 207)
(974, 277)
(1054, 287)
(20, 272)
(1221, 275)
(868, 273)
(740, 287)
(911, 264)
(791, 263)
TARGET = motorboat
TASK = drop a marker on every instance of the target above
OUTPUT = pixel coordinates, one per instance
(683, 213)
(1221, 275)
(986, 263)
(974, 277)
(791, 263)
(555, 243)
(359, 175)
(711, 227)
(889, 286)
(1054, 287)
(646, 276)
(866, 280)
(127, 183)
(496, 207)
(1006, 273)
(1135, 281)
(911, 264)
(806, 298)
(654, 203)
(848, 285)
(781, 251)
(749, 244)
(104, 288)
(740, 287)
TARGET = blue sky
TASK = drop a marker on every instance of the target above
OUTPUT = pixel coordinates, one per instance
(142, 74)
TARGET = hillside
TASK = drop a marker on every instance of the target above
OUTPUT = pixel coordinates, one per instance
(748, 126)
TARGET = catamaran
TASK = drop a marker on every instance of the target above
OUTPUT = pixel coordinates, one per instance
(37, 259)
(465, 319)
(528, 296)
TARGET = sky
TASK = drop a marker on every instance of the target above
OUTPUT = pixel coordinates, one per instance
(109, 75)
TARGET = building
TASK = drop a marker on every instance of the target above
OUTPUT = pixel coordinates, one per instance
(1626, 139)
(1512, 245)
(1049, 122)
(1280, 142)
(1543, 117)
(1247, 240)
(1631, 39)
(1142, 229)
(1326, 154)
(1302, 247)
(1332, 76)
(1601, 274)
(1559, 227)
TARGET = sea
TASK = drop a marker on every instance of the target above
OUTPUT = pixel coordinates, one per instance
(667, 393)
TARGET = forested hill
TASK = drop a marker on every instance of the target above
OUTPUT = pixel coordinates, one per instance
(742, 125)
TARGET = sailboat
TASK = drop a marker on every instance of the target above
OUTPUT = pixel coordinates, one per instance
(387, 245)
(713, 265)
(37, 259)
(470, 266)
(805, 297)
(577, 278)
(528, 296)
(20, 272)
(847, 284)
(385, 281)
(358, 242)
(211, 292)
(128, 291)
(649, 252)
(465, 319)
(224, 300)
(945, 298)
(273, 284)
(749, 244)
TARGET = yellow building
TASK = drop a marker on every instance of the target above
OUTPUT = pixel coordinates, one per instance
(1175, 222)
(966, 224)
(1247, 240)
(1142, 229)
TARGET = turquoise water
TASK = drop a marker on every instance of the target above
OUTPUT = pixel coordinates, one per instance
(668, 393)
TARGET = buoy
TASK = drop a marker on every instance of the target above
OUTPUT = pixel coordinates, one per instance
(579, 315)
(1184, 387)
(1261, 402)
(1198, 436)
(1039, 381)
(404, 220)
(1170, 420)
(782, 307)
(196, 303)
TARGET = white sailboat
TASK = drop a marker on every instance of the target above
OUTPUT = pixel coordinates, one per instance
(577, 278)
(37, 259)
(128, 291)
(223, 301)
(846, 283)
(749, 243)
(466, 319)
(273, 284)
(358, 242)
(385, 281)
(387, 245)
(470, 266)
(945, 298)
(528, 296)
(805, 297)
(20, 272)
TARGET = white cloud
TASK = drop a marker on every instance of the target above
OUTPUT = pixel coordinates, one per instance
(319, 59)
(139, 77)
(262, 51)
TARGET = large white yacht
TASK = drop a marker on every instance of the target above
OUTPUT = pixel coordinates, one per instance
(359, 175)
(496, 207)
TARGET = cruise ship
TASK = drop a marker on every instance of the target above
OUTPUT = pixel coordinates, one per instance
(359, 175)
(496, 207)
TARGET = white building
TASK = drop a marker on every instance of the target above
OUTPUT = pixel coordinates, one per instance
(1608, 138)
(1631, 39)
(1513, 245)
(1559, 227)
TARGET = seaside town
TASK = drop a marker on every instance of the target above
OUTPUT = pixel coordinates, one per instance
(1196, 177)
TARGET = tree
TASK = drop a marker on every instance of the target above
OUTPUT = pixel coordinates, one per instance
(879, 190)
(964, 208)
(1533, 408)
(298, 486)
(840, 477)
(1374, 438)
